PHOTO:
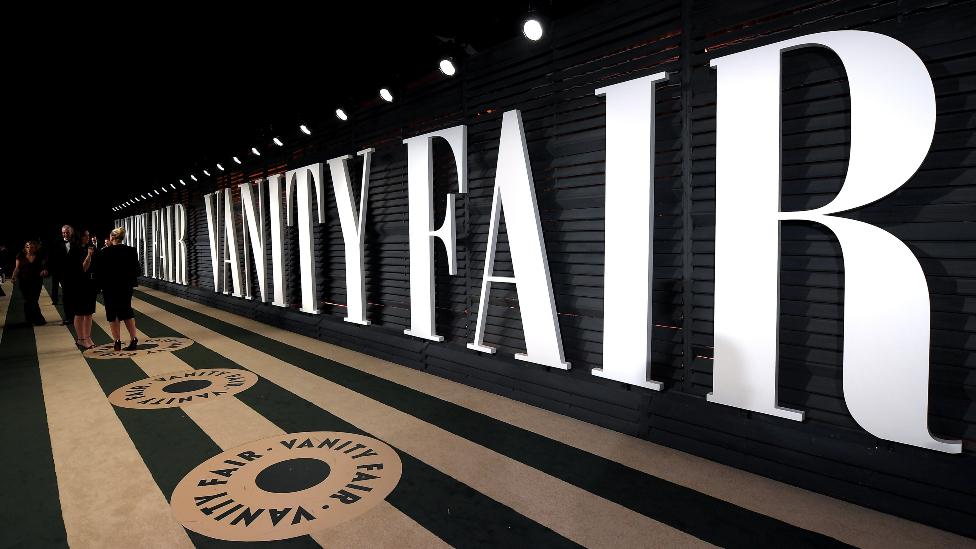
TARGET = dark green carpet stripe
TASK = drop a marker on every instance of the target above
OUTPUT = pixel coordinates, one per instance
(30, 511)
(448, 508)
(170, 443)
(700, 515)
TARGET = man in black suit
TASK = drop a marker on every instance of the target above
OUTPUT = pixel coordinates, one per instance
(58, 265)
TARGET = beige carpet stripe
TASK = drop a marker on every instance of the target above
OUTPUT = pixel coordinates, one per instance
(108, 497)
(230, 423)
(566, 509)
(845, 521)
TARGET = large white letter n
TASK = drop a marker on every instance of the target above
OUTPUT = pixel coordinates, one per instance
(886, 301)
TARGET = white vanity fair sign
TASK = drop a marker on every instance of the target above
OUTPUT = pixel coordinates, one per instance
(886, 303)
(159, 238)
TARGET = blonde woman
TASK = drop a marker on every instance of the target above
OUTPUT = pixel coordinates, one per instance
(118, 267)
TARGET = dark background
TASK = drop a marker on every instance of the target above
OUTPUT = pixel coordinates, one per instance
(105, 104)
(218, 80)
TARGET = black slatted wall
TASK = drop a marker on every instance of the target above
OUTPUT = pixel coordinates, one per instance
(553, 84)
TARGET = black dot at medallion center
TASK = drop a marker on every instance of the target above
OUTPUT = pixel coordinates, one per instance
(187, 386)
(292, 475)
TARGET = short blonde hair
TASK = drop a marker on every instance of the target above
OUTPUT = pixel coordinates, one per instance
(117, 234)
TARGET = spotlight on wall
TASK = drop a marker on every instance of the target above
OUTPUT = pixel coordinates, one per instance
(447, 67)
(255, 152)
(386, 95)
(219, 167)
(278, 142)
(305, 129)
(193, 177)
(341, 114)
(532, 29)
(238, 160)
(206, 173)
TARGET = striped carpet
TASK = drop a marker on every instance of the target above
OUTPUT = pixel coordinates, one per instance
(461, 467)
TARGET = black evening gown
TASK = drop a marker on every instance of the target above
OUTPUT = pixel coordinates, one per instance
(87, 289)
(29, 283)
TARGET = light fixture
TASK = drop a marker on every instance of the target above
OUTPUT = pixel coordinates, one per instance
(305, 129)
(532, 29)
(238, 160)
(157, 193)
(386, 95)
(172, 185)
(143, 196)
(341, 114)
(165, 190)
(278, 142)
(193, 177)
(219, 167)
(182, 182)
(206, 173)
(447, 67)
(254, 150)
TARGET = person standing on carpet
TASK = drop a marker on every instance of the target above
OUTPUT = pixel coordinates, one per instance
(28, 273)
(57, 262)
(84, 300)
(118, 267)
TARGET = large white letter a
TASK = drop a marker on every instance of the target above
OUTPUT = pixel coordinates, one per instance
(514, 188)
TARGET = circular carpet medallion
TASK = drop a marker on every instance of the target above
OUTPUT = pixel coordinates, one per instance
(149, 346)
(286, 486)
(182, 388)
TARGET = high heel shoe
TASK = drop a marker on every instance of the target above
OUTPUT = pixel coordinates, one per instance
(132, 345)
(80, 346)
(117, 346)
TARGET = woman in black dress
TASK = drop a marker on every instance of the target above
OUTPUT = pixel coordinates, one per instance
(118, 267)
(85, 293)
(28, 272)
